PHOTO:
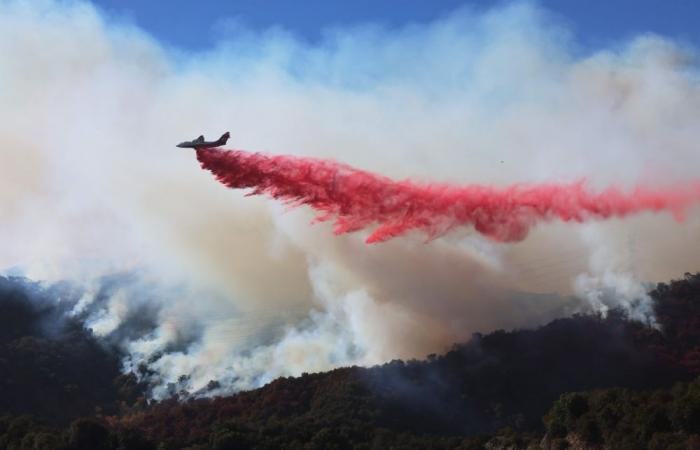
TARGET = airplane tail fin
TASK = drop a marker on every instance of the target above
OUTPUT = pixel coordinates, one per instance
(224, 137)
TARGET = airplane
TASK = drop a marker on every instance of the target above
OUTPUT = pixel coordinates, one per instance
(201, 143)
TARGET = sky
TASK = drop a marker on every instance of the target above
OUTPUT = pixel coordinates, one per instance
(198, 25)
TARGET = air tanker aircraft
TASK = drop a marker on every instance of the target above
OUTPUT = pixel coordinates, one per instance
(201, 143)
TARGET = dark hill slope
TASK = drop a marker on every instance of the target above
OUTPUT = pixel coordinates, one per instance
(50, 365)
(53, 368)
(503, 379)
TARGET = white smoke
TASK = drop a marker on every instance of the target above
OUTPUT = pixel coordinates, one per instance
(612, 280)
(241, 290)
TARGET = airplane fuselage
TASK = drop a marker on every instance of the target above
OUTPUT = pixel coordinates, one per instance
(192, 144)
(201, 143)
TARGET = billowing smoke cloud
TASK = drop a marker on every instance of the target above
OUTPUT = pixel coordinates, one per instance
(219, 286)
(356, 199)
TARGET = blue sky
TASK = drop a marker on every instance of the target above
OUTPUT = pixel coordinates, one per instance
(195, 25)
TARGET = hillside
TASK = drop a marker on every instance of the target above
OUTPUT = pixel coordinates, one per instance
(50, 365)
(495, 388)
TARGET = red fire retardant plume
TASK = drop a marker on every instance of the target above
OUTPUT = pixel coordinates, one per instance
(355, 199)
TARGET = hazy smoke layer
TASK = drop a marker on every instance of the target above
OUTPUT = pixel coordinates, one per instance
(197, 280)
(356, 199)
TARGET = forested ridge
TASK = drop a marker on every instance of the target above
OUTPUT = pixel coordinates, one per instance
(581, 382)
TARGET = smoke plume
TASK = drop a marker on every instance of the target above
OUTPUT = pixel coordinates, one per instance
(355, 199)
(196, 282)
